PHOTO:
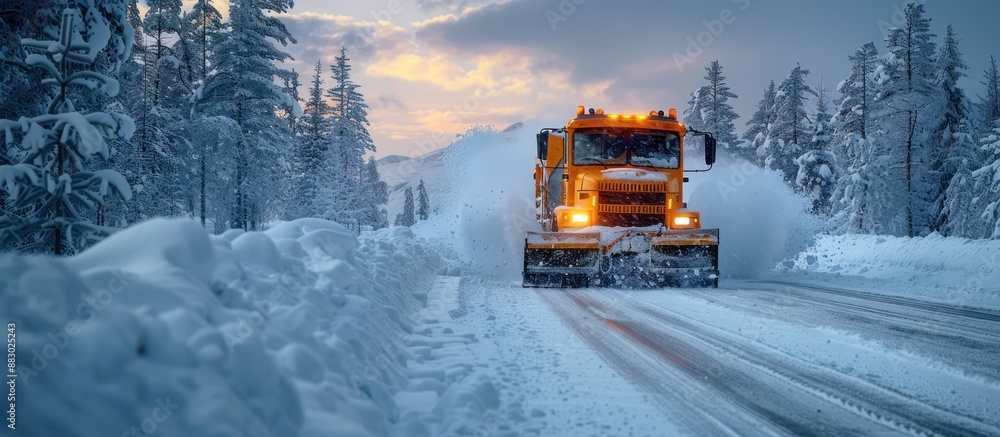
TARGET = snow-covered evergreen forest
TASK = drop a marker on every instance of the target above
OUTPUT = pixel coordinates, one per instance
(897, 149)
(111, 117)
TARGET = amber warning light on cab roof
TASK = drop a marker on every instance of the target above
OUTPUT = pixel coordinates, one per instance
(671, 113)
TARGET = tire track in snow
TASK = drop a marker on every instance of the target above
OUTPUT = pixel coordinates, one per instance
(980, 321)
(965, 338)
(879, 403)
(742, 386)
(583, 318)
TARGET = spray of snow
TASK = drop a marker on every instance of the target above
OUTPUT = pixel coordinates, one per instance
(489, 203)
(761, 221)
(489, 206)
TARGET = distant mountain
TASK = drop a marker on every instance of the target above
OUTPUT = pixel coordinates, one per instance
(407, 173)
(513, 128)
(392, 159)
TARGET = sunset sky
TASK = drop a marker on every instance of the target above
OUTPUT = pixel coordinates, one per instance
(432, 68)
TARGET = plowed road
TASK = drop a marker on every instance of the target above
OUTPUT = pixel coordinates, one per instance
(751, 358)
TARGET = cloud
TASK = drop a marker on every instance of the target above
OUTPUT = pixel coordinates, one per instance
(455, 120)
(386, 102)
(321, 36)
(450, 5)
(595, 40)
(483, 75)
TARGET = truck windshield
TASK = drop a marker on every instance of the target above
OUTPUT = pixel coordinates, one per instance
(607, 147)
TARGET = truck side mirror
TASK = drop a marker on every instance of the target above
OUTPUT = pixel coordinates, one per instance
(543, 145)
(709, 150)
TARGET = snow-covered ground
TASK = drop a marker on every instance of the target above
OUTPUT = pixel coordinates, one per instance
(949, 270)
(305, 329)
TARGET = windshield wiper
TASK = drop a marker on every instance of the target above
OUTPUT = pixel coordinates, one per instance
(646, 165)
(594, 160)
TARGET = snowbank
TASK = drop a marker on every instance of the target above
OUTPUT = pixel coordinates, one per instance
(303, 329)
(946, 269)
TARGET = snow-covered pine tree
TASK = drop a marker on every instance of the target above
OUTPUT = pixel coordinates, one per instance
(692, 115)
(170, 169)
(19, 20)
(852, 142)
(208, 135)
(988, 181)
(406, 218)
(987, 178)
(377, 193)
(214, 140)
(717, 115)
(818, 171)
(350, 143)
(311, 167)
(963, 200)
(51, 189)
(906, 101)
(960, 155)
(107, 62)
(791, 129)
(161, 24)
(991, 102)
(241, 87)
(853, 199)
(125, 158)
(290, 109)
(760, 124)
(951, 68)
(423, 202)
(199, 28)
(854, 109)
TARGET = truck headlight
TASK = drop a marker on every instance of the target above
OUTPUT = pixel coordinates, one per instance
(574, 217)
(684, 220)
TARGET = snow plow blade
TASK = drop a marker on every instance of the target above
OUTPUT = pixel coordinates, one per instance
(623, 258)
(561, 259)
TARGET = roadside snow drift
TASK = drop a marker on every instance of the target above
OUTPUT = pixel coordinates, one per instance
(944, 269)
(303, 329)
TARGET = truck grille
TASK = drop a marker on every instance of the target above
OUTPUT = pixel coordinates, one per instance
(627, 203)
(615, 198)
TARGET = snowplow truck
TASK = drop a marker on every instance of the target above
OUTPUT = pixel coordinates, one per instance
(609, 197)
